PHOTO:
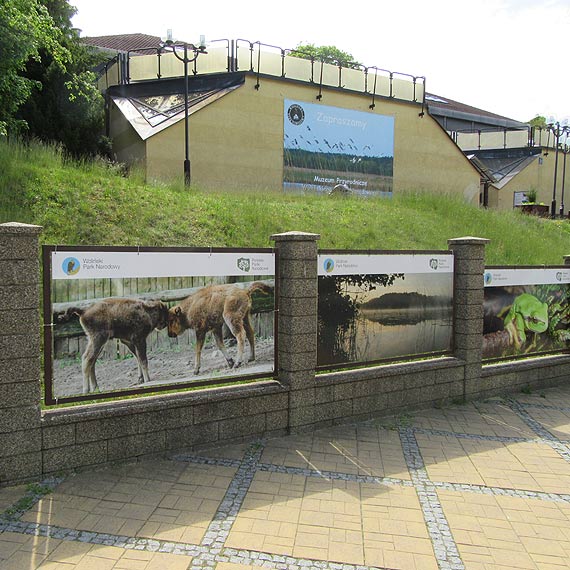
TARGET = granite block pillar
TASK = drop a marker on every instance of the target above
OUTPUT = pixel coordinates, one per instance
(297, 325)
(469, 260)
(20, 432)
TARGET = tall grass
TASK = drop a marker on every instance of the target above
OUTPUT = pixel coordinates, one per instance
(92, 203)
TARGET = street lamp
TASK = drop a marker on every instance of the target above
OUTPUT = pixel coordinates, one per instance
(175, 47)
(565, 150)
(557, 130)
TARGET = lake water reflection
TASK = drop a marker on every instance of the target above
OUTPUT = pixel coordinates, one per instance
(385, 334)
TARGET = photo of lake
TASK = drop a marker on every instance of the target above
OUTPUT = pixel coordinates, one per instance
(369, 318)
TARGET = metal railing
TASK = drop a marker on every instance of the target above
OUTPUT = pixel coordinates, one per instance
(260, 59)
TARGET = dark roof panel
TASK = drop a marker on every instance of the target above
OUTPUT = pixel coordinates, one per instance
(442, 106)
(123, 42)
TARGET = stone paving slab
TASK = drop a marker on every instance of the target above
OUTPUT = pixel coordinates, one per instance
(483, 486)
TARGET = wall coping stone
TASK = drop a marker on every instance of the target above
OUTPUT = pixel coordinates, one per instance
(18, 228)
(104, 410)
(527, 364)
(295, 236)
(468, 240)
(396, 369)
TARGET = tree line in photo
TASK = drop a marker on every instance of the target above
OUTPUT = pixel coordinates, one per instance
(359, 322)
(339, 162)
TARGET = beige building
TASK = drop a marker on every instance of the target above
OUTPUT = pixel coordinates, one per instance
(238, 128)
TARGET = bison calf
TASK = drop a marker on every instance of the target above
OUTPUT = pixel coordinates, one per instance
(129, 320)
(208, 309)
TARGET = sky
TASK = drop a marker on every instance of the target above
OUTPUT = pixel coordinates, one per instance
(337, 130)
(508, 57)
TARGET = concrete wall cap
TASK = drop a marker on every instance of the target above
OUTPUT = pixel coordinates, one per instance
(295, 236)
(468, 240)
(18, 228)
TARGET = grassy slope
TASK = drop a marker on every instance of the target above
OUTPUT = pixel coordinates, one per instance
(92, 204)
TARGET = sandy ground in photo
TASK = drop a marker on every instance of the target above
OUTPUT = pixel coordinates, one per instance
(165, 367)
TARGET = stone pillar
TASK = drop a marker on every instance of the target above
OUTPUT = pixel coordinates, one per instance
(469, 254)
(297, 324)
(20, 433)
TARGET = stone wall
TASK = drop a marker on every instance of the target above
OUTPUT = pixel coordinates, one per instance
(35, 442)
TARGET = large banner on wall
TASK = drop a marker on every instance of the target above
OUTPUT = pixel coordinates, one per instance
(328, 146)
(526, 311)
(378, 307)
(128, 320)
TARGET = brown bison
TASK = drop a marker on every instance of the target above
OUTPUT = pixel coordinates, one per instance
(208, 309)
(129, 320)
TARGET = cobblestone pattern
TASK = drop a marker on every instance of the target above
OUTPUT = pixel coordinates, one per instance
(446, 551)
(212, 549)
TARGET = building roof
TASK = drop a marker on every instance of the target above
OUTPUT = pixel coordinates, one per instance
(463, 116)
(123, 42)
(444, 107)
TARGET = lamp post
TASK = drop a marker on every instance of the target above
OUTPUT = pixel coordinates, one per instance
(565, 151)
(175, 47)
(555, 128)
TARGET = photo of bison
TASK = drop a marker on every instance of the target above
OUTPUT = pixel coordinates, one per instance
(128, 320)
(209, 309)
(145, 333)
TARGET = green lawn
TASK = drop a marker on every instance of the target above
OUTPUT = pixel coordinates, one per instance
(94, 204)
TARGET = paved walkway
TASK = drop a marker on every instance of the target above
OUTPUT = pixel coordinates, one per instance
(479, 486)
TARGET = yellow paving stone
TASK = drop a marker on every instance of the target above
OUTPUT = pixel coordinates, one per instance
(312, 540)
(526, 466)
(341, 451)
(512, 558)
(557, 422)
(111, 552)
(550, 562)
(21, 560)
(399, 560)
(70, 552)
(8, 547)
(247, 540)
(11, 495)
(265, 527)
(543, 546)
(93, 563)
(504, 537)
(476, 418)
(39, 544)
(137, 555)
(413, 545)
(127, 564)
(348, 553)
(284, 514)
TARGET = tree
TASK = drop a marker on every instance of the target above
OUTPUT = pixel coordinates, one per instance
(327, 54)
(25, 28)
(538, 121)
(69, 108)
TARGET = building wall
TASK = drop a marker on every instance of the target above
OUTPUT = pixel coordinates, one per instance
(237, 142)
(539, 175)
(128, 147)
